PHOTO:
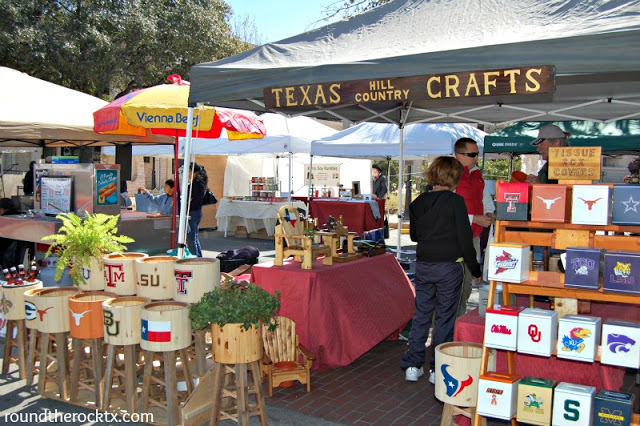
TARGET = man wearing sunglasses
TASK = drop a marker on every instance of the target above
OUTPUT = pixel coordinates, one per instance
(548, 136)
(479, 204)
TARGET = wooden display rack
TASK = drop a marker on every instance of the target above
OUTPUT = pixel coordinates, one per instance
(563, 235)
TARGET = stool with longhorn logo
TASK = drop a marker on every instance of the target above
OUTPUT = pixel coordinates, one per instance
(12, 306)
(121, 319)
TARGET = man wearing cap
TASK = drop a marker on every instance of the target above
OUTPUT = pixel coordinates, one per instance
(379, 182)
(549, 136)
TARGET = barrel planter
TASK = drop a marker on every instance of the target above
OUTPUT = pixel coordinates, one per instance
(458, 363)
(12, 299)
(120, 273)
(30, 310)
(52, 305)
(121, 320)
(194, 277)
(93, 276)
(155, 277)
(165, 326)
(232, 344)
(85, 314)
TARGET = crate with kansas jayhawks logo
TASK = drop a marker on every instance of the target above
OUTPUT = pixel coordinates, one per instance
(626, 205)
(578, 337)
(550, 203)
(621, 272)
(621, 343)
(509, 262)
(590, 205)
(512, 199)
(582, 268)
(501, 327)
(613, 408)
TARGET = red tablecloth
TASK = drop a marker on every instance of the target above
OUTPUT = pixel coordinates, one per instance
(344, 310)
(356, 216)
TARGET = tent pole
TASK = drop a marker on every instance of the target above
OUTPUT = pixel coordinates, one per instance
(185, 183)
(400, 177)
(309, 186)
(290, 175)
(175, 192)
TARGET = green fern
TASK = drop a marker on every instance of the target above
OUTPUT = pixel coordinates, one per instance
(78, 240)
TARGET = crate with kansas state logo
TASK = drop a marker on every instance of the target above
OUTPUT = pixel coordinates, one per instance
(590, 205)
(578, 337)
(501, 327)
(549, 203)
(537, 331)
(582, 268)
(626, 205)
(497, 394)
(512, 201)
(620, 343)
(509, 262)
(621, 272)
(613, 408)
(535, 397)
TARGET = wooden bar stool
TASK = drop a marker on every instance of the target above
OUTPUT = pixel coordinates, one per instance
(126, 374)
(19, 342)
(235, 395)
(34, 345)
(61, 376)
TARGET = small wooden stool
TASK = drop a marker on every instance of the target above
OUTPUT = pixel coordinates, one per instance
(20, 343)
(449, 413)
(93, 367)
(199, 351)
(126, 374)
(33, 355)
(238, 390)
(61, 376)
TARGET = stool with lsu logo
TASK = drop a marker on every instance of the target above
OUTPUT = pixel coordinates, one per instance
(572, 404)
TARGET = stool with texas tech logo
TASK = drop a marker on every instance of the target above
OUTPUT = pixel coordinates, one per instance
(512, 201)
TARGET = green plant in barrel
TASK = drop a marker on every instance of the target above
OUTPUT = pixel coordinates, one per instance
(80, 239)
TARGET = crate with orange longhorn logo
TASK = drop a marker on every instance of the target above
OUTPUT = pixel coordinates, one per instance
(497, 394)
(512, 200)
(501, 327)
(509, 262)
(537, 331)
(535, 398)
(550, 203)
(590, 205)
(578, 337)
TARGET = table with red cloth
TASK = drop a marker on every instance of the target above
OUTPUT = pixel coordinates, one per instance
(470, 328)
(343, 310)
(356, 215)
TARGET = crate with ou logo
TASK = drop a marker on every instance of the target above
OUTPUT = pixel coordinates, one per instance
(537, 331)
(501, 327)
(572, 404)
(620, 343)
(497, 395)
(590, 205)
(613, 408)
(535, 398)
(578, 337)
(509, 262)
(549, 203)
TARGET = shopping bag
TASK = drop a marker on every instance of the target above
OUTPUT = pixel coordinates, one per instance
(209, 198)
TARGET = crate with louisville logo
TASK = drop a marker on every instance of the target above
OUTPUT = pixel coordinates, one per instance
(621, 272)
(578, 337)
(590, 205)
(613, 408)
(535, 400)
(582, 268)
(626, 205)
(509, 262)
(620, 343)
(537, 331)
(512, 201)
(550, 203)
(501, 327)
(497, 395)
(572, 404)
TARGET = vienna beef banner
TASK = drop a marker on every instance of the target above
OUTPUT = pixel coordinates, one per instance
(435, 87)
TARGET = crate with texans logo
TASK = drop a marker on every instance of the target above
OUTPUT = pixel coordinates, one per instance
(501, 327)
(550, 203)
(621, 272)
(572, 404)
(613, 408)
(535, 398)
(578, 337)
(582, 269)
(620, 343)
(626, 205)
(497, 394)
(537, 331)
(512, 199)
(590, 205)
(509, 262)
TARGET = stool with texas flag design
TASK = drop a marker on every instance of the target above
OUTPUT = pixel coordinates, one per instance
(512, 200)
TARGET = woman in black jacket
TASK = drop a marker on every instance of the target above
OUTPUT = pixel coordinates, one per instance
(199, 182)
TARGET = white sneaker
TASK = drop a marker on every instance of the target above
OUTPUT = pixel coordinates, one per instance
(412, 374)
(432, 377)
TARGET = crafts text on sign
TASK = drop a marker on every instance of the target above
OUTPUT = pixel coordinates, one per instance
(434, 87)
(579, 163)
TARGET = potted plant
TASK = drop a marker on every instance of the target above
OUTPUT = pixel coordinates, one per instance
(235, 313)
(80, 245)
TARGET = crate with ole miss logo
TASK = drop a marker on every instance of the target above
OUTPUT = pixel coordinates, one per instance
(620, 343)
(578, 337)
(572, 404)
(512, 201)
(509, 262)
(535, 398)
(537, 331)
(501, 327)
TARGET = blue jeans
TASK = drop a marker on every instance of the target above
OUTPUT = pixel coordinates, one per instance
(193, 243)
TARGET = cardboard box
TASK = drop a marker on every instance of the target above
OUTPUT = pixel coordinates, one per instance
(497, 395)
(535, 400)
(590, 205)
(572, 404)
(550, 203)
(483, 298)
(501, 327)
(620, 343)
(626, 205)
(621, 272)
(537, 331)
(512, 200)
(582, 269)
(509, 262)
(613, 408)
(578, 337)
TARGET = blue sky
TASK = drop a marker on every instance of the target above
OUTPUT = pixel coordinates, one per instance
(279, 19)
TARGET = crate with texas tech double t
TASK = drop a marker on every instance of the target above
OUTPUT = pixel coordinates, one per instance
(512, 199)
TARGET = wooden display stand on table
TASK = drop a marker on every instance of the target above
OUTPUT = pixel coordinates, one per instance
(551, 284)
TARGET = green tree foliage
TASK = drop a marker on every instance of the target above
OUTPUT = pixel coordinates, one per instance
(348, 8)
(110, 47)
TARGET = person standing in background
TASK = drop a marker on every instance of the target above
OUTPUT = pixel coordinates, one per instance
(27, 182)
(379, 182)
(199, 182)
(164, 201)
(548, 136)
(479, 205)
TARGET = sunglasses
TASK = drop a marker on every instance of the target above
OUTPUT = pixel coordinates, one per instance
(469, 154)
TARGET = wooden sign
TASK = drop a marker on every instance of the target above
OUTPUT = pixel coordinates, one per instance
(435, 87)
(575, 163)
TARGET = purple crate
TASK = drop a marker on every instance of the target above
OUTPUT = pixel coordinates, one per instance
(582, 268)
(622, 272)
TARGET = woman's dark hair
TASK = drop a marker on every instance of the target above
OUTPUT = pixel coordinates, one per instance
(444, 171)
(200, 174)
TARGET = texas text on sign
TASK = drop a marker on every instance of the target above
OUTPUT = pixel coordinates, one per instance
(460, 85)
